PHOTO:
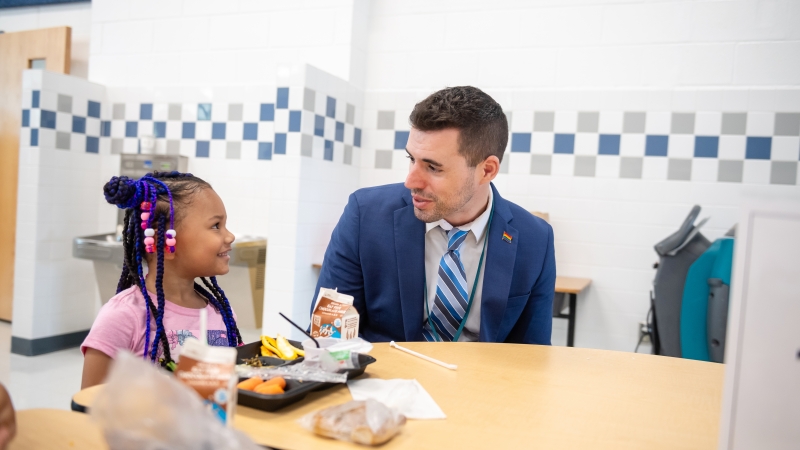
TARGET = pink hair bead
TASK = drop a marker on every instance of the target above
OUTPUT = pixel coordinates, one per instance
(145, 215)
(144, 225)
(171, 242)
(145, 205)
(149, 241)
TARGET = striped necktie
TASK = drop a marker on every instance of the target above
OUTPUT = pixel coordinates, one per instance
(450, 304)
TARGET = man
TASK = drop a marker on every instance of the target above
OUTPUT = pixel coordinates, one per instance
(444, 257)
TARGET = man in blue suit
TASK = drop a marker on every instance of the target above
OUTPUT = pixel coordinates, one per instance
(444, 257)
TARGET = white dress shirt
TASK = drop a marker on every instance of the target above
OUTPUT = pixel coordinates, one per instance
(436, 247)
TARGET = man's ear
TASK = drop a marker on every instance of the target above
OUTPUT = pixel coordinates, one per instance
(490, 169)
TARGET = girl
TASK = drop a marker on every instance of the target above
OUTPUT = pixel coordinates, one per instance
(175, 224)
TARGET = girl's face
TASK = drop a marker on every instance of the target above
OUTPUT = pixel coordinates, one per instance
(203, 242)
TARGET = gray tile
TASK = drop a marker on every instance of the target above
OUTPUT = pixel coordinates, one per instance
(783, 172)
(679, 169)
(544, 121)
(682, 123)
(630, 167)
(383, 159)
(309, 99)
(730, 171)
(63, 139)
(734, 123)
(306, 145)
(173, 147)
(504, 163)
(173, 112)
(65, 103)
(118, 111)
(386, 120)
(541, 164)
(588, 122)
(787, 124)
(348, 154)
(633, 122)
(233, 150)
(116, 146)
(235, 111)
(585, 166)
(350, 116)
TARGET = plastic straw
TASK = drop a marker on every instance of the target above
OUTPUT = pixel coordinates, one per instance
(298, 327)
(426, 358)
(204, 326)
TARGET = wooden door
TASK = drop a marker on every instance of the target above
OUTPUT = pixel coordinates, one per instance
(17, 50)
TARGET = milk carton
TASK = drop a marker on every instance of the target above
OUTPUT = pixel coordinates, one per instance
(334, 316)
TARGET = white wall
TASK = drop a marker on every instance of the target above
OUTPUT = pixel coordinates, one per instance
(78, 16)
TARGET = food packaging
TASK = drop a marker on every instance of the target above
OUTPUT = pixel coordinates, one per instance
(334, 316)
(210, 371)
(366, 422)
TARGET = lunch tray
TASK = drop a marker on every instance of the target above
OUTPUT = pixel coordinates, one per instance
(295, 390)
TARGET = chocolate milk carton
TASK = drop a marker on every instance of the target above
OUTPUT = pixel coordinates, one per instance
(210, 371)
(334, 316)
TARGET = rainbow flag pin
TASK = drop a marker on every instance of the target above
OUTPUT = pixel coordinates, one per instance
(507, 237)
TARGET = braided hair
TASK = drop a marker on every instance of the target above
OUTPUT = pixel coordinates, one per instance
(156, 195)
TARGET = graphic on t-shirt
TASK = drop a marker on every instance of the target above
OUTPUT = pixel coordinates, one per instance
(176, 338)
(218, 338)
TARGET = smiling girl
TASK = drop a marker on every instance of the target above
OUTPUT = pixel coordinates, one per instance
(174, 230)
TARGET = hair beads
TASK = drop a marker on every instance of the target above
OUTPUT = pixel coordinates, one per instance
(145, 200)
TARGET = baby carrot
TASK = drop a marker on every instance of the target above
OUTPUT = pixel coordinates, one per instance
(277, 381)
(250, 383)
(269, 389)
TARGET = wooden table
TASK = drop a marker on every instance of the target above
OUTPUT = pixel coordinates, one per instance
(42, 429)
(526, 396)
(572, 287)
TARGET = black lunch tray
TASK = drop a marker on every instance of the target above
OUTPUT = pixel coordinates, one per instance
(295, 390)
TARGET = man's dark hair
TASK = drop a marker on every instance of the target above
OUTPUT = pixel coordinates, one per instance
(480, 120)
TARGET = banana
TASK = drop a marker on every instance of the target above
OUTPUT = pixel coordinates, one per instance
(285, 348)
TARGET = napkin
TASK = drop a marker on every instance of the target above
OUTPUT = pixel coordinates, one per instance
(407, 397)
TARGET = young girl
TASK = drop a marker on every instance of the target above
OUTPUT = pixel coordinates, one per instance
(174, 224)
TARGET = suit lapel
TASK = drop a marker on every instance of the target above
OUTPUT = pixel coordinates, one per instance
(409, 241)
(500, 259)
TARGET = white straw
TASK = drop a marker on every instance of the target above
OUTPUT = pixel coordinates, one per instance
(426, 358)
(204, 326)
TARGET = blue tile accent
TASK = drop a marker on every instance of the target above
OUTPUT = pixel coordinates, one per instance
(357, 137)
(521, 142)
(93, 109)
(48, 119)
(706, 146)
(294, 120)
(203, 149)
(78, 124)
(218, 130)
(656, 145)
(265, 150)
(160, 129)
(34, 137)
(131, 129)
(339, 132)
(267, 112)
(564, 143)
(758, 148)
(319, 126)
(250, 133)
(204, 111)
(92, 144)
(146, 111)
(328, 150)
(280, 143)
(400, 140)
(188, 130)
(609, 144)
(330, 107)
(105, 128)
(35, 99)
(26, 118)
(282, 100)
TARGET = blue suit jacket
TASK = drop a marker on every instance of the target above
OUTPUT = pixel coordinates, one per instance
(377, 255)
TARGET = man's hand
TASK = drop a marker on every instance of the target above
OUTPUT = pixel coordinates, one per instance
(8, 420)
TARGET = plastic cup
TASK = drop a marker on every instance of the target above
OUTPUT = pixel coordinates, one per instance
(311, 350)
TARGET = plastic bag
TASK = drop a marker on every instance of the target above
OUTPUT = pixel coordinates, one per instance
(302, 371)
(142, 407)
(366, 422)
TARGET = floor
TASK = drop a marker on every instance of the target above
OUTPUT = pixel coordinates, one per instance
(48, 381)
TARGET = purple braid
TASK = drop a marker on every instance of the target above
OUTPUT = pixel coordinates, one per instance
(171, 206)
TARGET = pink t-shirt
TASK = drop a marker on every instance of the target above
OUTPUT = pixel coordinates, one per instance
(121, 325)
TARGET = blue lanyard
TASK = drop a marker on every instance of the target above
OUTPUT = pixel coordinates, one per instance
(474, 287)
